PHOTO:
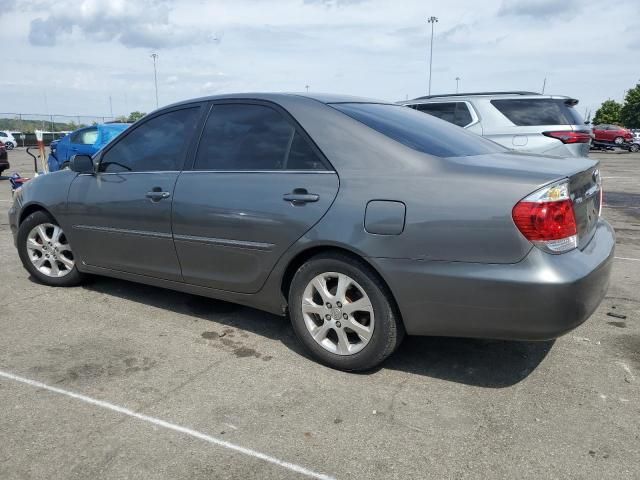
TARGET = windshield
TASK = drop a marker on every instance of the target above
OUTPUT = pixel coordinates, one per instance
(418, 131)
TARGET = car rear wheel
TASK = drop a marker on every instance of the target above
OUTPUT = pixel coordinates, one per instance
(618, 140)
(343, 313)
(9, 145)
(45, 251)
(634, 147)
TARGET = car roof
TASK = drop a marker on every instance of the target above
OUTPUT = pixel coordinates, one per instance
(327, 98)
(501, 94)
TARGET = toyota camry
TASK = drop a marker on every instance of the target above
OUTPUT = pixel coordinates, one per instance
(359, 219)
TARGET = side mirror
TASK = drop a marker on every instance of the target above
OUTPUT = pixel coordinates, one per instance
(82, 164)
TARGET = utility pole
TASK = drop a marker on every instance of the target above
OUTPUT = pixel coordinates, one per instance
(544, 85)
(155, 75)
(307, 87)
(457, 83)
(432, 21)
(111, 107)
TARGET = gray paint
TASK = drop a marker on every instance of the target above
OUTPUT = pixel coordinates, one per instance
(459, 267)
(384, 217)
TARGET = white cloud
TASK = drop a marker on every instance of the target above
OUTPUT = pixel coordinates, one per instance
(143, 23)
(81, 52)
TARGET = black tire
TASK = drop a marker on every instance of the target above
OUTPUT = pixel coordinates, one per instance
(73, 278)
(618, 140)
(634, 148)
(9, 145)
(388, 331)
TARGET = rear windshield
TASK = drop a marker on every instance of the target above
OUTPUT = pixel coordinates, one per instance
(416, 130)
(529, 112)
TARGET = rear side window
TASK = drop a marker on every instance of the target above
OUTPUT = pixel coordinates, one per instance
(85, 137)
(158, 144)
(452, 112)
(534, 112)
(252, 137)
(416, 130)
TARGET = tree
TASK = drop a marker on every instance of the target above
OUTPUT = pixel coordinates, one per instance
(135, 116)
(630, 111)
(609, 112)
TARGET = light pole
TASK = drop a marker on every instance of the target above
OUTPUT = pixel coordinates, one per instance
(307, 87)
(457, 83)
(432, 21)
(155, 75)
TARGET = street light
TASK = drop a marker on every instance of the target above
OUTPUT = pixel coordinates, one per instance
(155, 75)
(457, 83)
(432, 21)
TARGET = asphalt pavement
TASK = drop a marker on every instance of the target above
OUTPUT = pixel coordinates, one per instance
(117, 380)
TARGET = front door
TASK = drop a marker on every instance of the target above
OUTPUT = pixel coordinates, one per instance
(257, 185)
(121, 216)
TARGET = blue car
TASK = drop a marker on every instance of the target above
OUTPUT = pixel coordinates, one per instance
(84, 141)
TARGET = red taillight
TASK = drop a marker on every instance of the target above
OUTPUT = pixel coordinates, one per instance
(546, 218)
(545, 221)
(569, 136)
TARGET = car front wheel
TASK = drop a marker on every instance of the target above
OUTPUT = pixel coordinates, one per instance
(343, 313)
(45, 251)
(9, 145)
(618, 140)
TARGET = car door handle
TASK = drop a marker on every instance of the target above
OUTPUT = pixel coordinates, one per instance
(300, 196)
(156, 195)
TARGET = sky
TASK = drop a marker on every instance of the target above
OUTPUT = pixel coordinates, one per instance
(71, 56)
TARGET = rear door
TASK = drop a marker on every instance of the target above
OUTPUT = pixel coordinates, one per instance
(258, 183)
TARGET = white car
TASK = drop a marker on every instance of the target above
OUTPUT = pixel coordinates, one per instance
(9, 142)
(525, 121)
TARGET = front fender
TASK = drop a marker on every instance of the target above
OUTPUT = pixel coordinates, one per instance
(48, 192)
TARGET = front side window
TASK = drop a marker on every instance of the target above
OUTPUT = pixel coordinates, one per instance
(252, 137)
(158, 144)
(418, 131)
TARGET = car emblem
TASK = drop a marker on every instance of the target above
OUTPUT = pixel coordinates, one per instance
(337, 313)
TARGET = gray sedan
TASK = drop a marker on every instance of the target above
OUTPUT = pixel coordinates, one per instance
(360, 219)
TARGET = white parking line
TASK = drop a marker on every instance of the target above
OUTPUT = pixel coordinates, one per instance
(170, 426)
(627, 258)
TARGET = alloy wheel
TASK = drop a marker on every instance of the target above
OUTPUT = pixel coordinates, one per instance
(338, 313)
(49, 251)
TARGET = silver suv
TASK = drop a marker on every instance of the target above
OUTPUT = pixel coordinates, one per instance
(525, 121)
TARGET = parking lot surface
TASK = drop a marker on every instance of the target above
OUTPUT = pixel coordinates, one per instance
(119, 380)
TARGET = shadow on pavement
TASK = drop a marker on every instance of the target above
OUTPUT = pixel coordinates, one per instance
(484, 363)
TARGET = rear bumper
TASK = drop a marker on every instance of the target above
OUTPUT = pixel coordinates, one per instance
(541, 297)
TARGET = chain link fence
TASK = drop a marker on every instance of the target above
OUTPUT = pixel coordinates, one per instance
(23, 125)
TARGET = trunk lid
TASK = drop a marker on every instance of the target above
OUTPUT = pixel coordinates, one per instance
(586, 194)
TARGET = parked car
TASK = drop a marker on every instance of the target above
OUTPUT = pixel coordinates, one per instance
(85, 141)
(634, 144)
(9, 141)
(612, 133)
(4, 158)
(361, 219)
(524, 121)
